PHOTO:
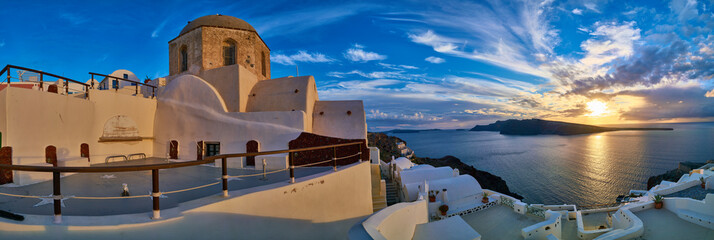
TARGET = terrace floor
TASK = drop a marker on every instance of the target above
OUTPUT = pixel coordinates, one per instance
(499, 222)
(696, 192)
(139, 183)
(663, 224)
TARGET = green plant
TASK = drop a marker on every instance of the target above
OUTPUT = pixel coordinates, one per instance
(658, 198)
(485, 194)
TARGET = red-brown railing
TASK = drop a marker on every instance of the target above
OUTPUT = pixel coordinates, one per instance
(116, 86)
(41, 75)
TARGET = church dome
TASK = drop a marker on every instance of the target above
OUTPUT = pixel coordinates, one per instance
(218, 20)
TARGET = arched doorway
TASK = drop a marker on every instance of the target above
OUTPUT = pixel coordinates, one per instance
(5, 158)
(51, 155)
(173, 149)
(84, 151)
(251, 147)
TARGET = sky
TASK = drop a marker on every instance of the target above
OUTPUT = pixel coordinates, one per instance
(416, 64)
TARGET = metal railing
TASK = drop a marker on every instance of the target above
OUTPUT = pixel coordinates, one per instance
(154, 168)
(116, 86)
(40, 80)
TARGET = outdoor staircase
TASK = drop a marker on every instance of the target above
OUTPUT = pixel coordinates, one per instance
(392, 194)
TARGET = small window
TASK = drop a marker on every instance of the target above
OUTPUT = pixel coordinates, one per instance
(213, 148)
(115, 84)
(184, 59)
(229, 53)
(262, 63)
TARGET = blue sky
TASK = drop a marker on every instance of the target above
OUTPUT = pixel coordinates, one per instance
(417, 64)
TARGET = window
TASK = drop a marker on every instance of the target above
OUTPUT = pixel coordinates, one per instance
(184, 58)
(126, 76)
(229, 52)
(213, 148)
(115, 84)
(262, 62)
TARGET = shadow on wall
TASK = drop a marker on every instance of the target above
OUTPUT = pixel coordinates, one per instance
(204, 226)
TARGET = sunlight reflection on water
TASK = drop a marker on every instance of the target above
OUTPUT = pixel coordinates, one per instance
(583, 169)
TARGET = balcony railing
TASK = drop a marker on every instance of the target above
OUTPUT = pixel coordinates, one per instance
(154, 168)
(116, 86)
(40, 79)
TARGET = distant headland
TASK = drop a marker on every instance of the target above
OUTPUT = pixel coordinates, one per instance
(545, 127)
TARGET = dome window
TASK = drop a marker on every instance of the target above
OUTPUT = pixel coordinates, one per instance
(184, 58)
(229, 52)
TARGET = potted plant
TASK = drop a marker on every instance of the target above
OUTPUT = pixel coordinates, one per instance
(659, 201)
(432, 195)
(443, 209)
(704, 183)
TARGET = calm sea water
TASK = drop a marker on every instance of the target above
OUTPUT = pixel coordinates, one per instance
(583, 169)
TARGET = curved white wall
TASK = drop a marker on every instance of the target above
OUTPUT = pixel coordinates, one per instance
(204, 117)
(398, 221)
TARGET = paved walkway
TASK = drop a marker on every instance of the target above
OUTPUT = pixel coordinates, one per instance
(110, 185)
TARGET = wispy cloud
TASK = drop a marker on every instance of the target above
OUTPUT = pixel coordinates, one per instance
(577, 11)
(358, 54)
(155, 33)
(73, 18)
(300, 56)
(287, 23)
(434, 60)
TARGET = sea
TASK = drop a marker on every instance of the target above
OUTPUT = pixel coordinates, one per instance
(582, 169)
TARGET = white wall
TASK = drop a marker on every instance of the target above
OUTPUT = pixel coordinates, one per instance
(398, 221)
(190, 110)
(279, 95)
(37, 119)
(234, 84)
(330, 118)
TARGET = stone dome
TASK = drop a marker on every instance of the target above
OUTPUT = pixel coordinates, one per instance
(218, 20)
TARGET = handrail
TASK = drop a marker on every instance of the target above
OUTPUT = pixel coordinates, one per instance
(155, 193)
(7, 68)
(210, 159)
(123, 79)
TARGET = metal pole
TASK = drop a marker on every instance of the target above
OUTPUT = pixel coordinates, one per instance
(137, 89)
(292, 167)
(41, 82)
(155, 194)
(57, 195)
(66, 87)
(264, 166)
(334, 158)
(224, 171)
(153, 91)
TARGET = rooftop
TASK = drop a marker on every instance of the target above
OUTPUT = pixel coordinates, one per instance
(663, 224)
(499, 222)
(218, 21)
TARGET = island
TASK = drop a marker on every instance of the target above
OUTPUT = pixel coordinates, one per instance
(546, 127)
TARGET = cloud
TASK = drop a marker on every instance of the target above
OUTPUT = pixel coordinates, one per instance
(300, 56)
(155, 33)
(577, 11)
(435, 60)
(285, 24)
(399, 74)
(610, 41)
(358, 54)
(709, 94)
(685, 9)
(671, 103)
(592, 7)
(397, 67)
(73, 18)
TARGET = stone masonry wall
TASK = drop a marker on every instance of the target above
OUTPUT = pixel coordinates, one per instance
(193, 42)
(249, 48)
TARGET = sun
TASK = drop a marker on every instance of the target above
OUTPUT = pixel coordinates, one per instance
(597, 108)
